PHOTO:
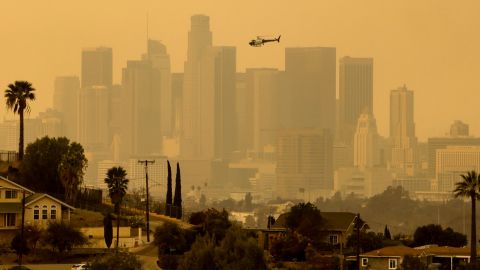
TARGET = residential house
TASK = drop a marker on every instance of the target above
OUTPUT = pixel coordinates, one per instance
(40, 208)
(433, 256)
(337, 226)
(387, 257)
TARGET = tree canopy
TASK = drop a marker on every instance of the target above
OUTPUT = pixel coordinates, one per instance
(237, 251)
(211, 221)
(54, 166)
(435, 234)
(63, 237)
(305, 218)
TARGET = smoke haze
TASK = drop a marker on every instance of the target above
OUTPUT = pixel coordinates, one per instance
(432, 46)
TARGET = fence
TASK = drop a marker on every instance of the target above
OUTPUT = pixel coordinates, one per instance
(8, 156)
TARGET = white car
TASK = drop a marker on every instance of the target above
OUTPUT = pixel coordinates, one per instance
(80, 266)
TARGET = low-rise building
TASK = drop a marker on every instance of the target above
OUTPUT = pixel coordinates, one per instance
(40, 208)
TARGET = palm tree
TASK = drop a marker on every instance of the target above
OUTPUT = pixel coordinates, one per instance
(18, 95)
(469, 188)
(117, 188)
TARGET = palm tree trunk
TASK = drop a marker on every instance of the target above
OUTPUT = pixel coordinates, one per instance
(20, 141)
(118, 226)
(473, 238)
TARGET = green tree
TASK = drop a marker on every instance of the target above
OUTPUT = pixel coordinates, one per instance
(71, 170)
(170, 239)
(368, 241)
(201, 255)
(411, 262)
(17, 97)
(169, 191)
(19, 245)
(116, 261)
(117, 183)
(386, 233)
(177, 198)
(32, 235)
(212, 222)
(305, 218)
(108, 230)
(239, 250)
(288, 247)
(63, 237)
(47, 159)
(469, 188)
(434, 234)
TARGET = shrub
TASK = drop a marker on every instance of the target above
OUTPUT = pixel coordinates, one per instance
(116, 261)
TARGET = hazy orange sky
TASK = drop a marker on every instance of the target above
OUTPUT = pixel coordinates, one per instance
(432, 46)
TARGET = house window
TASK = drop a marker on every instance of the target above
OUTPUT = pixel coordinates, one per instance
(10, 194)
(392, 263)
(333, 239)
(364, 261)
(53, 212)
(9, 220)
(44, 212)
(36, 212)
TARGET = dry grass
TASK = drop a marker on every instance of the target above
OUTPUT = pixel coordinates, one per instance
(85, 218)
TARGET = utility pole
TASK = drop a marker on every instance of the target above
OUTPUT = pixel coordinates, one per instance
(147, 207)
(22, 230)
(357, 225)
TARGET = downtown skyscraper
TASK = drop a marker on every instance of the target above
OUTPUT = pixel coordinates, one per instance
(94, 98)
(355, 94)
(197, 124)
(310, 78)
(97, 67)
(402, 130)
(208, 126)
(66, 101)
(146, 99)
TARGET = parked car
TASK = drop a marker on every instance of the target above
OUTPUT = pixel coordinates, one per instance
(80, 266)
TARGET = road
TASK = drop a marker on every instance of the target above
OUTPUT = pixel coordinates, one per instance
(45, 266)
(147, 255)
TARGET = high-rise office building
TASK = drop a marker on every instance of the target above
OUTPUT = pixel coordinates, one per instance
(97, 67)
(160, 60)
(304, 162)
(66, 101)
(50, 123)
(94, 118)
(9, 133)
(453, 161)
(459, 129)
(310, 78)
(142, 134)
(356, 94)
(177, 100)
(224, 60)
(197, 115)
(365, 151)
(209, 126)
(402, 130)
(435, 144)
(264, 83)
(244, 108)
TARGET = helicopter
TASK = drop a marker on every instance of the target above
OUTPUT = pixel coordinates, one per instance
(260, 41)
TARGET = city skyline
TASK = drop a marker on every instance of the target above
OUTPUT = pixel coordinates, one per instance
(436, 40)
